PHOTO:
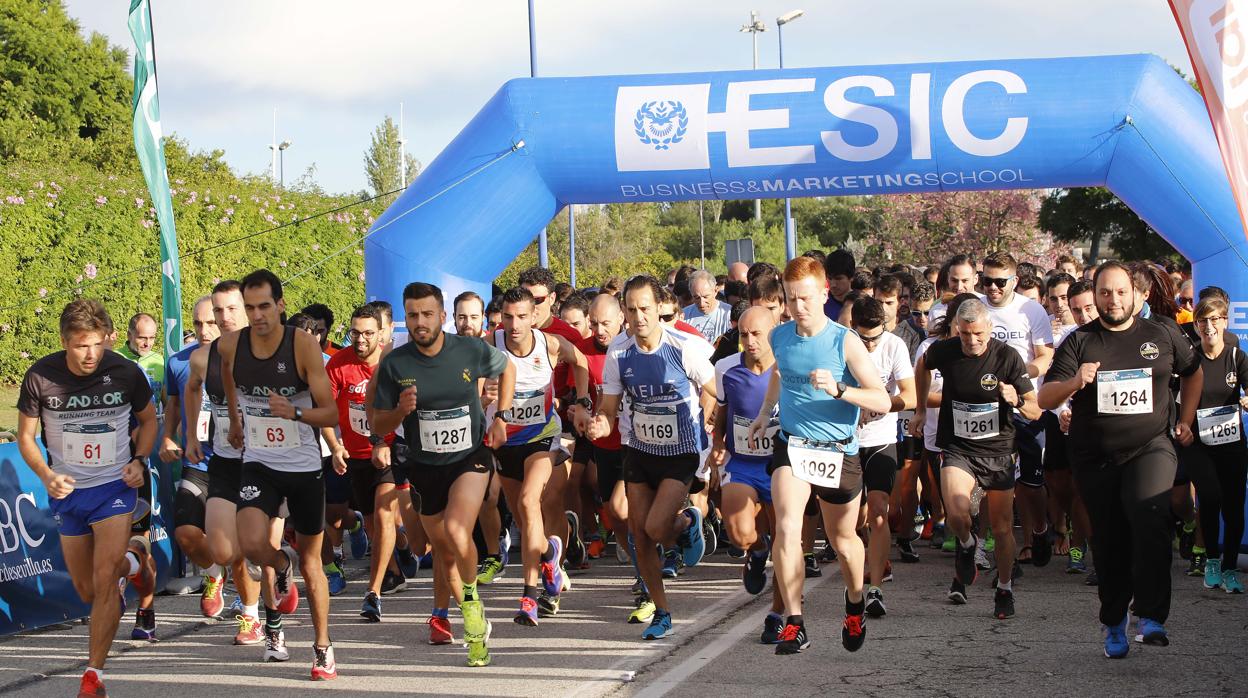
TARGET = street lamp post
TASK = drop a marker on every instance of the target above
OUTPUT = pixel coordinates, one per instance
(572, 244)
(755, 26)
(281, 160)
(543, 257)
(790, 232)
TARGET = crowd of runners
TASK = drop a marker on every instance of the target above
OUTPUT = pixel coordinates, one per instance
(878, 410)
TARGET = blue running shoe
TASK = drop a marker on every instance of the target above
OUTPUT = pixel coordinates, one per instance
(1231, 583)
(692, 543)
(359, 539)
(552, 572)
(671, 564)
(371, 609)
(1116, 645)
(337, 582)
(1150, 632)
(426, 561)
(660, 626)
(408, 563)
(754, 572)
(1213, 573)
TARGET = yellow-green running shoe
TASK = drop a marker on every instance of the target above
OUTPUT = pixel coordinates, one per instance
(644, 611)
(478, 652)
(491, 569)
(475, 625)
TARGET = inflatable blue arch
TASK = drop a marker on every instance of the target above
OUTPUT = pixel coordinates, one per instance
(1126, 122)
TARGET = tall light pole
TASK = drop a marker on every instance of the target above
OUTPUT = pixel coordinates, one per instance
(572, 244)
(273, 150)
(543, 257)
(755, 26)
(790, 233)
(281, 160)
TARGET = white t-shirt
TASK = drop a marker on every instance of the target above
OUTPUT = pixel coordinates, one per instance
(711, 326)
(932, 415)
(1023, 324)
(892, 361)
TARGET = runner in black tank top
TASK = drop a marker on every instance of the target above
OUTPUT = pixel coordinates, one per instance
(279, 395)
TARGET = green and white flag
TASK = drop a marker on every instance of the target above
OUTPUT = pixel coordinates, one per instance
(151, 150)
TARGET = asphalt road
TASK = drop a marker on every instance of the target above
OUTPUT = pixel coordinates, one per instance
(923, 647)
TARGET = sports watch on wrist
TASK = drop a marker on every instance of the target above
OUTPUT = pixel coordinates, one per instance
(298, 414)
(840, 389)
(504, 415)
(376, 439)
(585, 402)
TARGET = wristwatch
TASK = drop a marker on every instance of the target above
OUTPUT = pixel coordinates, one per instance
(298, 414)
(376, 439)
(840, 389)
(585, 402)
(142, 460)
(504, 415)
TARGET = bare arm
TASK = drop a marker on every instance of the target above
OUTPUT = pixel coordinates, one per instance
(870, 395)
(1044, 358)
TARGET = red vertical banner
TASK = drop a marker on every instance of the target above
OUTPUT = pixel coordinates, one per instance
(1216, 33)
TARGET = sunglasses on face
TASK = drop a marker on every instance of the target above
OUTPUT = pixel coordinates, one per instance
(668, 317)
(999, 282)
(872, 339)
(917, 313)
(538, 300)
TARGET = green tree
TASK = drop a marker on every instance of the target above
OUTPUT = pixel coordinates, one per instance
(382, 163)
(1094, 214)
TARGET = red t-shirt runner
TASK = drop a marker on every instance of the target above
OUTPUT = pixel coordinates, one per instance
(348, 378)
(596, 358)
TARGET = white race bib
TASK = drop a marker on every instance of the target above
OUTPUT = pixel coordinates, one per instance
(1125, 392)
(528, 408)
(204, 423)
(976, 420)
(1218, 425)
(741, 438)
(816, 463)
(357, 416)
(221, 415)
(83, 444)
(264, 431)
(445, 431)
(656, 426)
(904, 418)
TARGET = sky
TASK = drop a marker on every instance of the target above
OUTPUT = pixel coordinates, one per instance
(335, 70)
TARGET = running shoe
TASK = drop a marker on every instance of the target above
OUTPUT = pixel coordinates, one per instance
(392, 583)
(793, 639)
(595, 547)
(888, 572)
(964, 562)
(440, 631)
(576, 545)
(323, 667)
(957, 592)
(476, 627)
(982, 561)
(853, 632)
(143, 581)
(1004, 602)
(905, 549)
(923, 526)
(938, 535)
(1042, 547)
(621, 553)
(358, 538)
(671, 564)
(1197, 566)
(408, 564)
(91, 686)
(478, 652)
(692, 543)
(236, 607)
(1187, 539)
(1116, 645)
(949, 545)
(337, 582)
(711, 535)
(552, 573)
(772, 625)
(284, 584)
(275, 646)
(1092, 579)
(371, 609)
(1213, 573)
(812, 566)
(211, 599)
(639, 587)
(660, 626)
(491, 568)
(1076, 565)
(990, 541)
(875, 603)
(144, 625)
(250, 630)
(734, 552)
(643, 611)
(1150, 632)
(754, 573)
(547, 605)
(1231, 583)
(121, 592)
(828, 554)
(566, 583)
(527, 614)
